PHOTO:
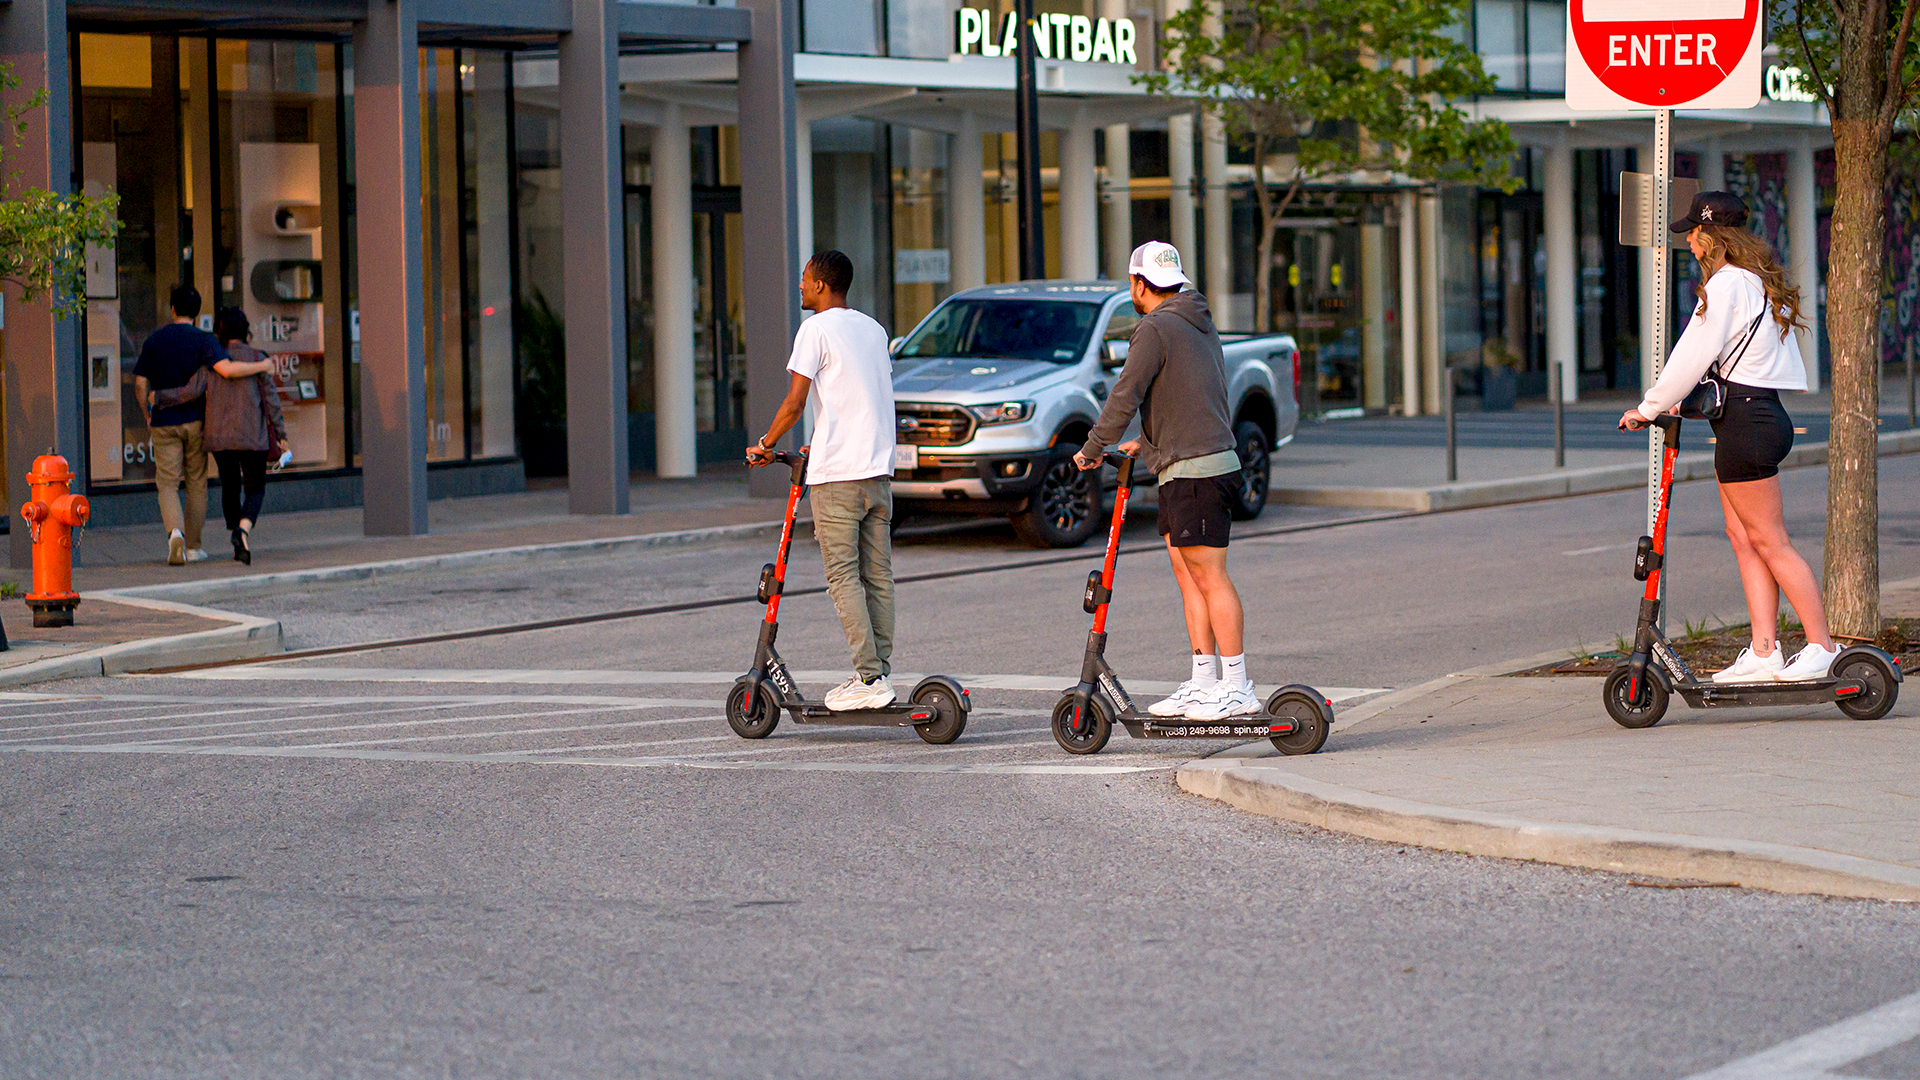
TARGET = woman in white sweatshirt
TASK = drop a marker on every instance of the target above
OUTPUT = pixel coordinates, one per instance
(1743, 327)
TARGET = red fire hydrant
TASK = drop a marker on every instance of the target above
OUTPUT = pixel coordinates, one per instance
(53, 515)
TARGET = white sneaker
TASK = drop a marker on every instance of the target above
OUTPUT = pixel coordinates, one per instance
(854, 694)
(176, 549)
(1812, 662)
(1183, 696)
(197, 555)
(1224, 699)
(1752, 667)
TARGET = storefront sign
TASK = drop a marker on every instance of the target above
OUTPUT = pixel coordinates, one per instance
(925, 266)
(1633, 54)
(1785, 84)
(1055, 37)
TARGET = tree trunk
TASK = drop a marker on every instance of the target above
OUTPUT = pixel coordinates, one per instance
(1853, 327)
(1263, 258)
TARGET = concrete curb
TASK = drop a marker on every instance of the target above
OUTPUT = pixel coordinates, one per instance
(1556, 485)
(1750, 864)
(524, 555)
(245, 637)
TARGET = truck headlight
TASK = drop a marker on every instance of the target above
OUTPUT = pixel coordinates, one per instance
(1007, 412)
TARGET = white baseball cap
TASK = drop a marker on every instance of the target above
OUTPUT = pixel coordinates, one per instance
(1159, 263)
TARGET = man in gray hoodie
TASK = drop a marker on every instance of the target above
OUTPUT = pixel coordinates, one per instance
(1176, 379)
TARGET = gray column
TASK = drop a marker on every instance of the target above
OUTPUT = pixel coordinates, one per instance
(1180, 200)
(803, 190)
(1563, 346)
(1373, 310)
(966, 206)
(592, 219)
(1407, 303)
(1803, 250)
(768, 113)
(674, 421)
(393, 402)
(1213, 168)
(1713, 166)
(1079, 201)
(44, 395)
(1117, 199)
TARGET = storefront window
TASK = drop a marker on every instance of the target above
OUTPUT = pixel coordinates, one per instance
(922, 261)
(486, 85)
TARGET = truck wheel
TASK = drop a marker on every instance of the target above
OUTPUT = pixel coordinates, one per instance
(1256, 469)
(1064, 510)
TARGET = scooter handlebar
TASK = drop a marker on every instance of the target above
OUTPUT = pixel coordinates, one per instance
(1122, 462)
(794, 460)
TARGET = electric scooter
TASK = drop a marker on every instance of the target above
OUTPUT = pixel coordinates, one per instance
(937, 709)
(1864, 681)
(1296, 718)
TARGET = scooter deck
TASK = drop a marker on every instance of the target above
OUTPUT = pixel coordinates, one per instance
(1702, 695)
(899, 714)
(1259, 725)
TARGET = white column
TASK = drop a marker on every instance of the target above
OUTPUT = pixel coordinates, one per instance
(673, 407)
(1430, 338)
(803, 187)
(1563, 346)
(1079, 201)
(1803, 250)
(1407, 302)
(1713, 166)
(1213, 171)
(1373, 314)
(966, 206)
(1180, 175)
(1117, 200)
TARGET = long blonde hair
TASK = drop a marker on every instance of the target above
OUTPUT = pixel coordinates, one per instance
(1733, 245)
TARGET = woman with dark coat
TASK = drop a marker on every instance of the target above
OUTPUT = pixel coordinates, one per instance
(243, 425)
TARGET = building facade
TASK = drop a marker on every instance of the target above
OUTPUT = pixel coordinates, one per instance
(546, 237)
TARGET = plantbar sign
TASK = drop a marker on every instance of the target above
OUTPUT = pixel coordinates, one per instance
(1055, 37)
(1633, 54)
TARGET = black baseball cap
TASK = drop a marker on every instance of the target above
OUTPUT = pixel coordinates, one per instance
(1712, 208)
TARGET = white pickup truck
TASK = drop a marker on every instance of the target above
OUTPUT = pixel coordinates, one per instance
(998, 386)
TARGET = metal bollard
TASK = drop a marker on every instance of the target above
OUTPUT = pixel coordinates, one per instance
(1446, 396)
(1559, 417)
(1910, 350)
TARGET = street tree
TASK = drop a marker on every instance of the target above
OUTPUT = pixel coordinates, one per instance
(1337, 87)
(44, 234)
(1859, 57)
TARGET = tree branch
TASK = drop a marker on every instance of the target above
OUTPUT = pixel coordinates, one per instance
(1896, 59)
(1813, 68)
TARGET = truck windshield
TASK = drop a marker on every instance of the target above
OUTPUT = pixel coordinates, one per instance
(1050, 330)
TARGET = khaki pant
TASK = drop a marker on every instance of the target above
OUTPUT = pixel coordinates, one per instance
(851, 521)
(178, 455)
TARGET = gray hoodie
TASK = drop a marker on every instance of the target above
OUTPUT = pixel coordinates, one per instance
(1176, 378)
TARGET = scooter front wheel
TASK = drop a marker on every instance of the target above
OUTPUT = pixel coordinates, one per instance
(753, 719)
(1310, 722)
(1081, 734)
(1634, 712)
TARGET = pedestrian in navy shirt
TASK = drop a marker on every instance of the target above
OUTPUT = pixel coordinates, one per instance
(169, 359)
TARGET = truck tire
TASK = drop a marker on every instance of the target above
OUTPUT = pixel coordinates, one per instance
(1256, 470)
(1064, 511)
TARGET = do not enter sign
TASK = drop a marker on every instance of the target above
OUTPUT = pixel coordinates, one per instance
(1633, 54)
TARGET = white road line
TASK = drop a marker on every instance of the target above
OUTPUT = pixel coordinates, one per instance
(431, 757)
(1601, 548)
(135, 720)
(387, 724)
(350, 699)
(516, 732)
(1815, 1055)
(304, 718)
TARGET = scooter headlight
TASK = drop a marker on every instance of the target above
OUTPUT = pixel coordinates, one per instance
(1007, 412)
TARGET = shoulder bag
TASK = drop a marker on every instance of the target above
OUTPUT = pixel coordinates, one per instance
(1708, 399)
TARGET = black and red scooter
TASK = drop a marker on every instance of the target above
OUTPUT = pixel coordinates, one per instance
(937, 709)
(1296, 718)
(1864, 681)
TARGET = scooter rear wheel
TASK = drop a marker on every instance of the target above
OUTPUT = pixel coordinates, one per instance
(1090, 735)
(1310, 722)
(751, 719)
(1881, 689)
(950, 719)
(1641, 712)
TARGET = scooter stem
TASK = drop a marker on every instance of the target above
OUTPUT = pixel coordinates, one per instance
(1125, 462)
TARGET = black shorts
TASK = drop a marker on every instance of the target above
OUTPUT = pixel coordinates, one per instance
(1197, 513)
(1752, 436)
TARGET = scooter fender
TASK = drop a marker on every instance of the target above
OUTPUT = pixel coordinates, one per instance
(1319, 700)
(1642, 666)
(952, 685)
(1885, 657)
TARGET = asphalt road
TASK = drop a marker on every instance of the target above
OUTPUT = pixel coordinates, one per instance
(544, 855)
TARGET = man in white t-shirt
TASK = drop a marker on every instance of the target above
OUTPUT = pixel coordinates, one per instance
(840, 358)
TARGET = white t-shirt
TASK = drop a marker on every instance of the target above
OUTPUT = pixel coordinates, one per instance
(1734, 297)
(844, 352)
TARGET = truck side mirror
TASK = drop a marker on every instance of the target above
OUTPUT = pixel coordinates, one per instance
(1113, 353)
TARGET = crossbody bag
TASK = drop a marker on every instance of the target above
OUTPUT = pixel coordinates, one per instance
(1708, 399)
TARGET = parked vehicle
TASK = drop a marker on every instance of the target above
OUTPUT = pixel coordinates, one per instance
(998, 386)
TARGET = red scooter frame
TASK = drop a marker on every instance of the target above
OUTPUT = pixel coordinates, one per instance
(937, 709)
(1864, 681)
(1296, 718)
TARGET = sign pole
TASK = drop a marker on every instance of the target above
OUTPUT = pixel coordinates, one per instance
(1659, 316)
(1026, 138)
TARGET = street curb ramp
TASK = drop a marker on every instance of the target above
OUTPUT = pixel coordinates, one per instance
(245, 637)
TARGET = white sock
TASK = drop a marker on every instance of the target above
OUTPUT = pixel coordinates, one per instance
(1233, 669)
(1206, 668)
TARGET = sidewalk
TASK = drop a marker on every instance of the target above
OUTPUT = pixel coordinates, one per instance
(112, 634)
(1793, 799)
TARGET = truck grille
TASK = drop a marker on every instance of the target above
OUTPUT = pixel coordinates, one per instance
(932, 425)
